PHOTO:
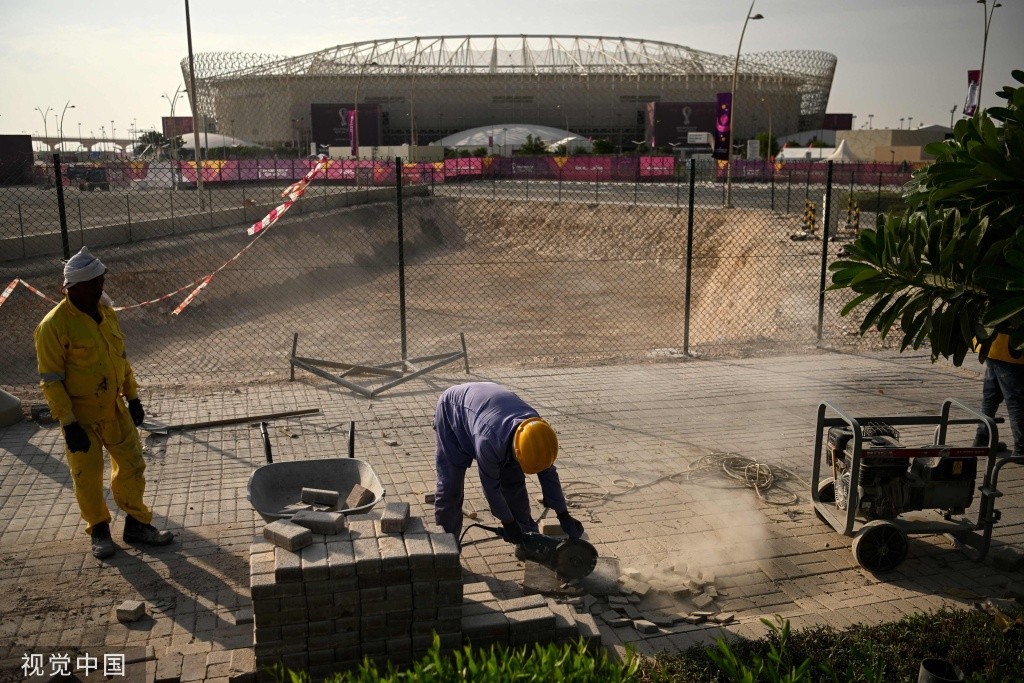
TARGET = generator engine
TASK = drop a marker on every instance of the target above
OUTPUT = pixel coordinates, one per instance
(895, 478)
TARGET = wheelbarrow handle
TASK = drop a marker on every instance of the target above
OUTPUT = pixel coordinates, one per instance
(352, 439)
(266, 442)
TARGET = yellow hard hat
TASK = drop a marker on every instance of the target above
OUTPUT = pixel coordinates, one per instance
(536, 445)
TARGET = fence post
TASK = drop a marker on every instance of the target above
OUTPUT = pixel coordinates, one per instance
(21, 229)
(772, 171)
(677, 188)
(789, 190)
(807, 186)
(128, 204)
(244, 217)
(81, 227)
(401, 255)
(826, 211)
(878, 200)
(689, 262)
(172, 212)
(559, 185)
(211, 206)
(60, 206)
(636, 185)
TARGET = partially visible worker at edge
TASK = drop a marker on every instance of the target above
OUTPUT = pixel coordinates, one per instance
(86, 378)
(1003, 382)
(486, 422)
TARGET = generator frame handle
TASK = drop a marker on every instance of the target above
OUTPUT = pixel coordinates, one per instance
(987, 515)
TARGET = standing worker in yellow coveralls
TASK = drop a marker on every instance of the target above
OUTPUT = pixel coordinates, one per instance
(84, 373)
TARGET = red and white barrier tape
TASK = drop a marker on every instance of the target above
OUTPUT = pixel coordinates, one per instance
(293, 192)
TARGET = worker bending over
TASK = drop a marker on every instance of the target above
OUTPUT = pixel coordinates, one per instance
(486, 422)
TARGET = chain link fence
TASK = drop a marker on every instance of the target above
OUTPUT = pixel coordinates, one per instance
(533, 261)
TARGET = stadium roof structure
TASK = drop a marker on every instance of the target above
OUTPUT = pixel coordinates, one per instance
(443, 84)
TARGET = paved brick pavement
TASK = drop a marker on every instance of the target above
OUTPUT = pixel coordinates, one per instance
(624, 430)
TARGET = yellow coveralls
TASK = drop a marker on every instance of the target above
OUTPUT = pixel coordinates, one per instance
(84, 372)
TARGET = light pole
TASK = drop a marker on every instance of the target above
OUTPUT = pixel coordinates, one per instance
(113, 145)
(901, 123)
(80, 135)
(951, 112)
(42, 113)
(565, 115)
(174, 126)
(871, 119)
(768, 154)
(910, 122)
(732, 113)
(984, 43)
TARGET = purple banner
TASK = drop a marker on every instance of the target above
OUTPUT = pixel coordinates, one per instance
(353, 132)
(723, 124)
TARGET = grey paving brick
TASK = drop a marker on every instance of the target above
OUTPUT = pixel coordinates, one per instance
(358, 497)
(314, 563)
(327, 523)
(531, 625)
(367, 554)
(130, 610)
(287, 566)
(421, 555)
(523, 603)
(493, 625)
(446, 555)
(341, 560)
(168, 667)
(287, 535)
(565, 622)
(319, 496)
(394, 518)
(393, 554)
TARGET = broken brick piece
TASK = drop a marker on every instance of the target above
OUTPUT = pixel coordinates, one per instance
(358, 497)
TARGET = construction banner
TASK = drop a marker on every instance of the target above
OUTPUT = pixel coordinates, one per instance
(723, 124)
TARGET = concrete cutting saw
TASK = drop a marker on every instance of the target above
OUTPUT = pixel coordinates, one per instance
(570, 558)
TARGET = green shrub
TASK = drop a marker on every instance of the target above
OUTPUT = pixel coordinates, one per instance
(568, 663)
(886, 652)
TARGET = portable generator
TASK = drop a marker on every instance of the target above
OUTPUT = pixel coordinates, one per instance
(881, 489)
(895, 478)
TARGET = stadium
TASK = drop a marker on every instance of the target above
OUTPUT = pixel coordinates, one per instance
(420, 89)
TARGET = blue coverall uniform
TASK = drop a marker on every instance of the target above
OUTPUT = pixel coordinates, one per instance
(477, 421)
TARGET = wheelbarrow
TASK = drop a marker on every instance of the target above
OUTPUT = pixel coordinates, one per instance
(275, 486)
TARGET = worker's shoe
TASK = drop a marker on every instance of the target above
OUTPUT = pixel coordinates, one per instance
(146, 534)
(102, 545)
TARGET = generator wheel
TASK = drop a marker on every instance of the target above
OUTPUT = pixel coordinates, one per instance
(880, 546)
(826, 494)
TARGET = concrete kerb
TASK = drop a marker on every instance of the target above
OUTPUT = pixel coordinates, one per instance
(639, 422)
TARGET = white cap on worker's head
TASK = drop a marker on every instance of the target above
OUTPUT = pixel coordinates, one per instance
(82, 267)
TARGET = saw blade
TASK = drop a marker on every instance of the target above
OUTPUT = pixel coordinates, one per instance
(575, 559)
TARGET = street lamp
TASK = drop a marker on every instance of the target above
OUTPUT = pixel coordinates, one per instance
(984, 44)
(893, 153)
(871, 119)
(174, 127)
(113, 144)
(901, 123)
(67, 106)
(732, 113)
(42, 113)
(951, 112)
(565, 115)
(768, 154)
(910, 122)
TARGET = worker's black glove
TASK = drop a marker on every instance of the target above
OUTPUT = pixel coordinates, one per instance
(76, 438)
(570, 525)
(136, 411)
(512, 532)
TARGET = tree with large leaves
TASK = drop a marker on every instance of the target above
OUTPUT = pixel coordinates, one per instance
(949, 270)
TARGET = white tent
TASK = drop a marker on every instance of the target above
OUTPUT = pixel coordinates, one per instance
(805, 154)
(841, 154)
(503, 138)
(212, 141)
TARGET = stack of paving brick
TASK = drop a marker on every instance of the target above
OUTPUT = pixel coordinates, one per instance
(486, 620)
(379, 588)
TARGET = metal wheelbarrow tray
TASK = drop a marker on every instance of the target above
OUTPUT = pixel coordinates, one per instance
(276, 485)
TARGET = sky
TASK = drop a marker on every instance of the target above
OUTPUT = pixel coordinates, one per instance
(115, 60)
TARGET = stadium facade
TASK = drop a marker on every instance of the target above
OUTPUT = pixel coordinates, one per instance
(421, 89)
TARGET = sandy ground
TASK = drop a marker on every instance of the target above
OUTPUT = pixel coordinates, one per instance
(528, 284)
